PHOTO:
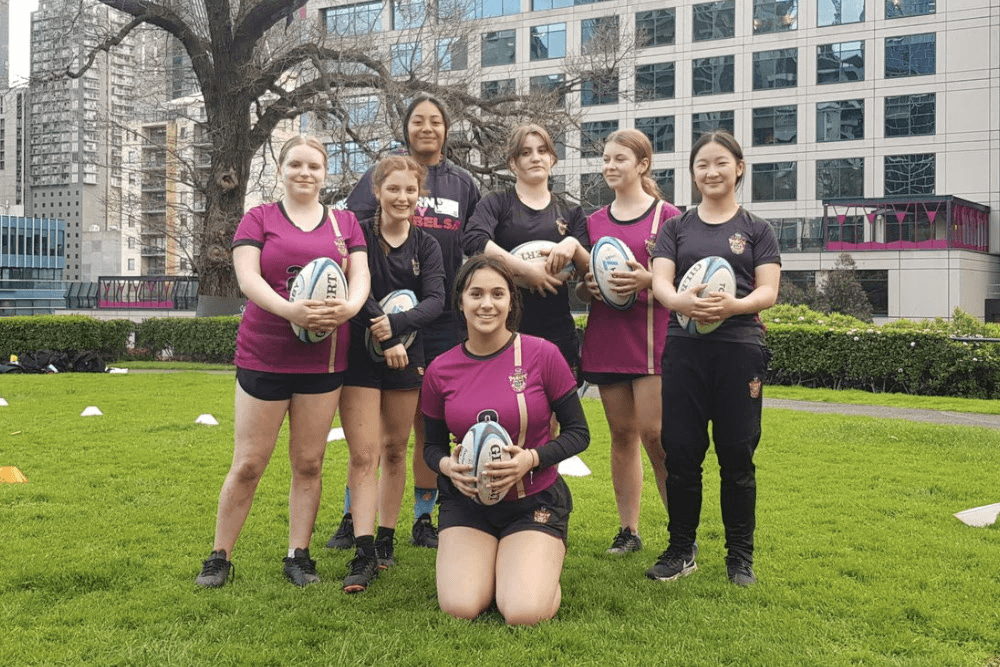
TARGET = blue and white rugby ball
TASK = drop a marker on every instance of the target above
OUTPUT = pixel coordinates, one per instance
(483, 443)
(718, 276)
(397, 301)
(532, 251)
(320, 279)
(606, 257)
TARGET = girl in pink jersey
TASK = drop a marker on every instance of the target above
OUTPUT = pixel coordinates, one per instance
(513, 551)
(622, 349)
(276, 373)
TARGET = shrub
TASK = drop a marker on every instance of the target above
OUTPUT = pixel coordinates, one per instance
(109, 338)
(210, 339)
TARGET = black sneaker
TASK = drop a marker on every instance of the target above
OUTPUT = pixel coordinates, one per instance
(300, 569)
(625, 542)
(740, 571)
(424, 533)
(673, 564)
(385, 552)
(344, 537)
(215, 571)
(362, 572)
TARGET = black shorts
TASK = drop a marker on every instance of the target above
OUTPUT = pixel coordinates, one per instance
(266, 386)
(601, 379)
(546, 511)
(363, 371)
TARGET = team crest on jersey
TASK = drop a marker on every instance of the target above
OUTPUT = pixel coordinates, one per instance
(341, 247)
(650, 244)
(542, 515)
(755, 385)
(416, 267)
(562, 226)
(518, 381)
(737, 243)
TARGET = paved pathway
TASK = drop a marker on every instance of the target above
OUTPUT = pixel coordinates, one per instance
(882, 412)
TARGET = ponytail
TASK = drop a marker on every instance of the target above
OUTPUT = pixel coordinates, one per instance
(650, 187)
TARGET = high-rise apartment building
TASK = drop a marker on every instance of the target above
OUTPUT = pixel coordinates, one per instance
(13, 149)
(869, 126)
(76, 131)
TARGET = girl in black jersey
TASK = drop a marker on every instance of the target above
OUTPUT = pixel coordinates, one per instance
(717, 376)
(529, 211)
(379, 397)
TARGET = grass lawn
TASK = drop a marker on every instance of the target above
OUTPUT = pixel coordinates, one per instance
(859, 558)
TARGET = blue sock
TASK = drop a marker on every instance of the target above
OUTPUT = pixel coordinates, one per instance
(423, 501)
(347, 500)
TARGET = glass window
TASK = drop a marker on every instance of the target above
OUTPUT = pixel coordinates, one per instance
(594, 192)
(774, 181)
(836, 63)
(654, 82)
(542, 5)
(909, 115)
(655, 28)
(359, 19)
(347, 158)
(452, 54)
(775, 125)
(840, 121)
(499, 48)
(775, 69)
(405, 58)
(408, 14)
(910, 55)
(775, 16)
(660, 130)
(599, 88)
(714, 20)
(464, 10)
(840, 12)
(548, 41)
(844, 177)
(895, 9)
(665, 181)
(549, 84)
(712, 76)
(909, 174)
(498, 88)
(600, 33)
(711, 120)
(592, 136)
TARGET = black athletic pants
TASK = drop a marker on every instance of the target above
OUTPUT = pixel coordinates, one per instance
(706, 381)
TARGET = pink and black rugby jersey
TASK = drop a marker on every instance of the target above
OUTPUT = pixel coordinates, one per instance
(515, 387)
(265, 342)
(629, 341)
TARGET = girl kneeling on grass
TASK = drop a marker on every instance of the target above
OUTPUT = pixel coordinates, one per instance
(276, 373)
(716, 376)
(512, 551)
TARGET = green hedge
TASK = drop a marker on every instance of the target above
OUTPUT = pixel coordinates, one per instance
(210, 339)
(109, 338)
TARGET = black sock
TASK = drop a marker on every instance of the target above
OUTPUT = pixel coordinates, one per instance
(365, 545)
(385, 534)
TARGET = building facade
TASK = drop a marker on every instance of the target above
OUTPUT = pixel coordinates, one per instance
(31, 265)
(868, 126)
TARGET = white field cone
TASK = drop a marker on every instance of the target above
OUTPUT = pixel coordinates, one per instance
(206, 419)
(574, 467)
(91, 411)
(335, 434)
(979, 517)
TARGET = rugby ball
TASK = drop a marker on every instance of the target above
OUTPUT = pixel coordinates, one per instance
(718, 276)
(483, 443)
(531, 251)
(320, 279)
(397, 301)
(607, 256)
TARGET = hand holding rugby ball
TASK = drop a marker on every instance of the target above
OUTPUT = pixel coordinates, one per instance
(483, 443)
(532, 252)
(717, 275)
(606, 257)
(397, 301)
(320, 279)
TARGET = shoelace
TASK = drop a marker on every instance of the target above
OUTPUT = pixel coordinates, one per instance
(360, 564)
(307, 565)
(214, 566)
(621, 540)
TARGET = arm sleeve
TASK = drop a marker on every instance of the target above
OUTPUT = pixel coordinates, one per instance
(250, 231)
(578, 226)
(361, 201)
(765, 247)
(574, 434)
(431, 290)
(436, 445)
(481, 227)
(666, 241)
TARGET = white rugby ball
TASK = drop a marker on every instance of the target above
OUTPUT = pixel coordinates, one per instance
(397, 301)
(718, 276)
(607, 256)
(531, 251)
(320, 279)
(483, 443)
